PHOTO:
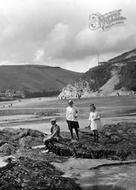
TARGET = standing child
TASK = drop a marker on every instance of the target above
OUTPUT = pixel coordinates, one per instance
(95, 123)
(71, 118)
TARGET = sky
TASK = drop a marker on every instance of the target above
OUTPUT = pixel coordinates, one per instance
(57, 33)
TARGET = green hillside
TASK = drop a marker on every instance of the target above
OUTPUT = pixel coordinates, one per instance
(35, 79)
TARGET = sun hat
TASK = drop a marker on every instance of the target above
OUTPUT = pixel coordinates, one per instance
(53, 120)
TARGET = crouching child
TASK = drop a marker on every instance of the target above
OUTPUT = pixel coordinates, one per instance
(53, 137)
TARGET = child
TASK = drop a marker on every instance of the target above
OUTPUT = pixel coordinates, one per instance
(94, 119)
(71, 118)
(54, 136)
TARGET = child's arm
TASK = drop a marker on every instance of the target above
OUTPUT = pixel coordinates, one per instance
(51, 130)
(97, 117)
(55, 132)
(76, 113)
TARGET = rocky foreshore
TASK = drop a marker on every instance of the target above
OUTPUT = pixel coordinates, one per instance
(116, 142)
(30, 168)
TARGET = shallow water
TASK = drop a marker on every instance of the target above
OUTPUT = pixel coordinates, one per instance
(121, 176)
(108, 177)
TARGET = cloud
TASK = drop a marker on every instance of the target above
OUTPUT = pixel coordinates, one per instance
(39, 55)
(58, 40)
(93, 42)
(57, 33)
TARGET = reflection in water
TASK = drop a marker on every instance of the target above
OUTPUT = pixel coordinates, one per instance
(109, 178)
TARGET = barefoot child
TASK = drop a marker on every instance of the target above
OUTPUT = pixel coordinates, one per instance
(94, 121)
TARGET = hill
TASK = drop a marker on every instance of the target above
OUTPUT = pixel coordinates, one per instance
(114, 77)
(35, 80)
(125, 57)
(117, 76)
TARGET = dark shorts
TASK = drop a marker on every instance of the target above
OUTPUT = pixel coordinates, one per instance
(95, 132)
(73, 124)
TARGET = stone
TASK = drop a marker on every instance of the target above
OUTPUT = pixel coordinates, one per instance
(33, 174)
(32, 169)
(7, 149)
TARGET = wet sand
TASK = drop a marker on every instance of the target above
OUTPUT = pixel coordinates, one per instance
(27, 113)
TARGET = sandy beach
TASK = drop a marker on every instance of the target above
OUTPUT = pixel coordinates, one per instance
(36, 114)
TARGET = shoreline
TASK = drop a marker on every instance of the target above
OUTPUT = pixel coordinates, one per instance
(114, 136)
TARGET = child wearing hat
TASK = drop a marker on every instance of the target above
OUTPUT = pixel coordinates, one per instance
(54, 136)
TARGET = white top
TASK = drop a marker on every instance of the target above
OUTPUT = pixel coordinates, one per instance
(71, 113)
(95, 121)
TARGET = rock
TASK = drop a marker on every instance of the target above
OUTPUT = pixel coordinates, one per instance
(115, 138)
(30, 132)
(7, 149)
(29, 174)
(25, 142)
(2, 142)
(34, 171)
(77, 90)
(61, 150)
(112, 140)
(111, 144)
(19, 133)
(11, 131)
(29, 141)
(21, 138)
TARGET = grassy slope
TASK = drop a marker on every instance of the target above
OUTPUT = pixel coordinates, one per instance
(35, 78)
(126, 68)
(127, 56)
(98, 76)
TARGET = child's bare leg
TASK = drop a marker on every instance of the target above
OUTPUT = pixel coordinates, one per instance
(95, 133)
(71, 132)
(76, 130)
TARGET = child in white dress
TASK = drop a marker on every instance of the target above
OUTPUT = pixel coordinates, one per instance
(94, 121)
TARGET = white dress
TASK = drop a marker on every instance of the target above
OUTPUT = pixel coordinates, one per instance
(94, 124)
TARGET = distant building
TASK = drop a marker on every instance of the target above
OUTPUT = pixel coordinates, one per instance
(102, 63)
(10, 93)
(19, 93)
